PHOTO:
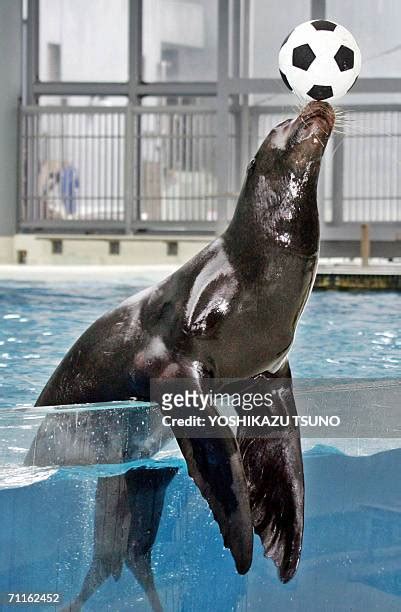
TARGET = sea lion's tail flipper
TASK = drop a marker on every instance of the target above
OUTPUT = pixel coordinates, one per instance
(146, 491)
(110, 537)
(215, 464)
(274, 471)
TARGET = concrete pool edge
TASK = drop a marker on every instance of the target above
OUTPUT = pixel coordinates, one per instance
(331, 275)
(351, 276)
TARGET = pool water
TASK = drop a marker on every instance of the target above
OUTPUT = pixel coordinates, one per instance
(351, 556)
(73, 529)
(340, 333)
(64, 535)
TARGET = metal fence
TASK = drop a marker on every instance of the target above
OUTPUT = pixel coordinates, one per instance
(118, 167)
(171, 175)
(72, 166)
(130, 168)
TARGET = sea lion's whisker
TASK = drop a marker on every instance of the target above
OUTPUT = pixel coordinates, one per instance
(337, 147)
(301, 102)
(351, 123)
(319, 140)
(358, 130)
(306, 125)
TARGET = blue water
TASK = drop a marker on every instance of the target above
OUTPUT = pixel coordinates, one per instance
(351, 557)
(340, 334)
(352, 549)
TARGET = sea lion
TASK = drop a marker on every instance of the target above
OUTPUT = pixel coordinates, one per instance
(229, 312)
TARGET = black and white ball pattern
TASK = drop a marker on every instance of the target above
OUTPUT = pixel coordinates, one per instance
(319, 60)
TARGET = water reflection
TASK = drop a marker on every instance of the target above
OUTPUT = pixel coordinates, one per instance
(140, 537)
(73, 533)
(128, 506)
(128, 509)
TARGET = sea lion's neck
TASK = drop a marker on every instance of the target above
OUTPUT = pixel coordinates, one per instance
(280, 215)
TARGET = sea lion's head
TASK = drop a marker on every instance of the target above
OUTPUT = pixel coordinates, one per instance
(279, 194)
(297, 145)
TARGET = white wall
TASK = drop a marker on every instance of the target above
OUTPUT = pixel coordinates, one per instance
(93, 38)
(93, 35)
(10, 79)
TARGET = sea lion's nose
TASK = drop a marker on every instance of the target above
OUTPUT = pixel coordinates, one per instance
(319, 108)
(316, 106)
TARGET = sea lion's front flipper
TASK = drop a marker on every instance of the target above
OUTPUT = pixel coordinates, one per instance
(215, 464)
(216, 467)
(274, 471)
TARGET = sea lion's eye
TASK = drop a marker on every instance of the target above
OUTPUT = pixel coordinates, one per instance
(251, 164)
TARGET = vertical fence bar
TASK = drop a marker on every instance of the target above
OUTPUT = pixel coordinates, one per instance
(245, 121)
(338, 178)
(365, 244)
(318, 9)
(129, 168)
(31, 162)
(137, 162)
(21, 215)
(32, 50)
(222, 136)
(133, 162)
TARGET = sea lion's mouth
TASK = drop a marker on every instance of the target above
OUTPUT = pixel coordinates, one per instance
(304, 137)
(320, 113)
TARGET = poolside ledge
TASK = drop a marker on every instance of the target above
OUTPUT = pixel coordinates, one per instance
(380, 275)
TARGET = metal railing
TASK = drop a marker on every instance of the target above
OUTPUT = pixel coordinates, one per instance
(72, 166)
(117, 167)
(122, 169)
(174, 150)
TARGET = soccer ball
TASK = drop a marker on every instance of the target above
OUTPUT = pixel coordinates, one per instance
(319, 60)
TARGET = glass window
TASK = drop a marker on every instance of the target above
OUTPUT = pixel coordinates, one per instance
(179, 40)
(376, 27)
(270, 24)
(201, 101)
(83, 41)
(83, 101)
